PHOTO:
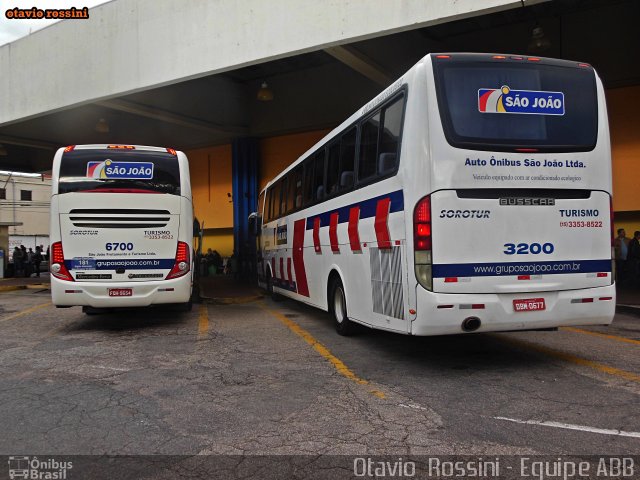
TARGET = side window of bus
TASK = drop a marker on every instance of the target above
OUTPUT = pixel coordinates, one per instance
(261, 210)
(267, 206)
(275, 201)
(368, 162)
(390, 136)
(283, 196)
(319, 191)
(308, 177)
(333, 169)
(294, 198)
(347, 160)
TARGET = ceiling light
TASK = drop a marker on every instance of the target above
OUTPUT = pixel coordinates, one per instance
(265, 94)
(538, 42)
(3, 151)
(102, 126)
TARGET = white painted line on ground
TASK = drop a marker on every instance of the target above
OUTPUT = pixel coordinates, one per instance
(569, 426)
(412, 405)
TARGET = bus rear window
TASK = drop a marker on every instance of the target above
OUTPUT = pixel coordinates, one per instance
(119, 171)
(504, 107)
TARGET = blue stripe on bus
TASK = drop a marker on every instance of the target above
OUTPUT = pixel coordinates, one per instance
(520, 268)
(127, 264)
(367, 209)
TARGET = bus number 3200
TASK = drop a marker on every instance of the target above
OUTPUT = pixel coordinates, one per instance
(527, 248)
(118, 246)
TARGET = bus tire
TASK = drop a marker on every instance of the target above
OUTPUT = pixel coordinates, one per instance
(185, 307)
(195, 294)
(274, 296)
(338, 309)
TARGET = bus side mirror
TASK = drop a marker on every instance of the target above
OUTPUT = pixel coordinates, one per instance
(255, 222)
(196, 227)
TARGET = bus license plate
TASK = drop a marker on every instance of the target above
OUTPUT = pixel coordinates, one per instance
(120, 292)
(529, 304)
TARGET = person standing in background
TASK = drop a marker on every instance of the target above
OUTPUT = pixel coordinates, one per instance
(620, 246)
(37, 259)
(633, 259)
(17, 262)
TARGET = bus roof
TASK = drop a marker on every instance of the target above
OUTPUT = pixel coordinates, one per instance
(104, 146)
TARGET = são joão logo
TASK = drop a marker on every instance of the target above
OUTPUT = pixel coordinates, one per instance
(533, 102)
(110, 169)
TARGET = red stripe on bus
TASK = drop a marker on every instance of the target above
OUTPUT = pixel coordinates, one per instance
(316, 235)
(381, 223)
(289, 272)
(298, 256)
(282, 277)
(333, 232)
(354, 237)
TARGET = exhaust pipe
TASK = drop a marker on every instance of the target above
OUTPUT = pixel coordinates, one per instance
(471, 324)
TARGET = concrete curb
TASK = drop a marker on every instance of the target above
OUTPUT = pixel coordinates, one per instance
(39, 286)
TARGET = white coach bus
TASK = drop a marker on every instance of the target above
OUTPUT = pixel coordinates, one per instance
(121, 227)
(472, 195)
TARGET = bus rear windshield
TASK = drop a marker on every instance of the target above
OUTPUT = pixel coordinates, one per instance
(119, 171)
(505, 107)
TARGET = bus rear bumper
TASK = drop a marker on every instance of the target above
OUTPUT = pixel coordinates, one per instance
(496, 312)
(95, 294)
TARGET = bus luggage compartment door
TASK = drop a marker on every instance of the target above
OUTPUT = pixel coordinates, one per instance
(505, 240)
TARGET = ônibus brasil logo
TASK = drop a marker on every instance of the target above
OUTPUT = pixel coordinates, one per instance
(532, 102)
(110, 169)
(38, 469)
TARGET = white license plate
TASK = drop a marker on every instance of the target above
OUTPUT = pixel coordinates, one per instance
(529, 304)
(120, 292)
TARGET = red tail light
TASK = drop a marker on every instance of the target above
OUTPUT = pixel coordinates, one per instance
(57, 267)
(69, 148)
(422, 224)
(182, 265)
(422, 242)
(172, 151)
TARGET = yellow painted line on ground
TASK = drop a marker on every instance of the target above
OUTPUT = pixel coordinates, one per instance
(322, 350)
(603, 335)
(567, 357)
(11, 288)
(25, 312)
(203, 321)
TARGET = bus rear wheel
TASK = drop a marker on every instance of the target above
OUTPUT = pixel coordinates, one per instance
(338, 308)
(274, 296)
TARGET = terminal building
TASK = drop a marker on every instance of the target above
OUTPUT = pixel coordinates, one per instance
(244, 88)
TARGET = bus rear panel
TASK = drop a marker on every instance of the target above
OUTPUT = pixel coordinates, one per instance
(123, 220)
(520, 204)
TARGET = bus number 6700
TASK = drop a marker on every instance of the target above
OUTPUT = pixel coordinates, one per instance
(118, 246)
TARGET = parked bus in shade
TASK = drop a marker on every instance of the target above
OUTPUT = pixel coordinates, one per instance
(471, 195)
(121, 227)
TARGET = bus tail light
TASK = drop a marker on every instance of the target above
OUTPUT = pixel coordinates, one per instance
(422, 242)
(57, 268)
(182, 264)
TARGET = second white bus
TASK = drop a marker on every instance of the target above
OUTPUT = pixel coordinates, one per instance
(121, 227)
(472, 195)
